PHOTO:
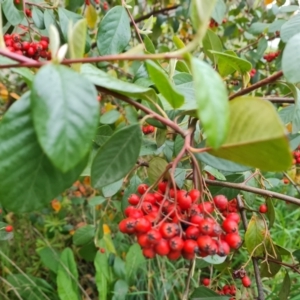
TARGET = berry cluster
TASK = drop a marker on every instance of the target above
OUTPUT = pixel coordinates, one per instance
(229, 290)
(33, 50)
(241, 274)
(147, 129)
(213, 24)
(252, 73)
(271, 56)
(296, 155)
(176, 225)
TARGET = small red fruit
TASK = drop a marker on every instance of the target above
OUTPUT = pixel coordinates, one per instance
(133, 199)
(192, 232)
(154, 236)
(263, 208)
(194, 194)
(127, 225)
(246, 281)
(234, 216)
(142, 225)
(169, 230)
(174, 255)
(143, 241)
(233, 240)
(142, 188)
(205, 242)
(230, 226)
(183, 200)
(176, 243)
(162, 248)
(221, 202)
(190, 246)
(206, 281)
(149, 252)
(9, 228)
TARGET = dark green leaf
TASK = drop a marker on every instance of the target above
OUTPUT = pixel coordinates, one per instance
(203, 293)
(65, 114)
(211, 41)
(103, 134)
(110, 117)
(20, 155)
(256, 136)
(114, 31)
(105, 80)
(157, 166)
(102, 274)
(212, 102)
(12, 14)
(83, 235)
(164, 85)
(38, 17)
(117, 156)
(149, 45)
(120, 290)
(112, 189)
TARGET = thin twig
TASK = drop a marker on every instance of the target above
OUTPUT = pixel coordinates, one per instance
(279, 99)
(188, 281)
(257, 85)
(259, 285)
(254, 190)
(292, 182)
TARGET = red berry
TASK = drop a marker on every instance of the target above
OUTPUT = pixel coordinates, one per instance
(263, 208)
(174, 255)
(190, 246)
(233, 240)
(143, 241)
(44, 44)
(102, 250)
(183, 200)
(149, 252)
(194, 194)
(176, 243)
(133, 199)
(206, 281)
(169, 230)
(206, 207)
(205, 242)
(192, 232)
(221, 202)
(206, 226)
(31, 51)
(150, 198)
(154, 236)
(162, 186)
(45, 38)
(196, 219)
(234, 216)
(230, 226)
(142, 225)
(9, 228)
(127, 225)
(133, 212)
(224, 248)
(246, 281)
(25, 45)
(162, 248)
(142, 188)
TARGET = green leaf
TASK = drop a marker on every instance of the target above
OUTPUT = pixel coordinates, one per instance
(220, 163)
(214, 259)
(76, 41)
(218, 175)
(65, 114)
(255, 236)
(149, 45)
(270, 269)
(12, 14)
(5, 236)
(66, 18)
(107, 81)
(164, 85)
(228, 63)
(219, 11)
(102, 274)
(290, 59)
(83, 235)
(119, 267)
(256, 136)
(179, 177)
(203, 293)
(157, 166)
(258, 27)
(50, 258)
(103, 134)
(120, 290)
(37, 17)
(112, 189)
(20, 155)
(98, 200)
(110, 117)
(290, 28)
(67, 276)
(212, 102)
(114, 31)
(117, 156)
(210, 42)
(285, 288)
(134, 260)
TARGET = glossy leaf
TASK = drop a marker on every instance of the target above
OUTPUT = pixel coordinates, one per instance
(12, 14)
(114, 31)
(83, 235)
(65, 114)
(134, 260)
(255, 236)
(37, 17)
(227, 63)
(212, 102)
(117, 156)
(164, 85)
(105, 80)
(20, 155)
(290, 28)
(157, 166)
(67, 276)
(256, 135)
(290, 59)
(210, 42)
